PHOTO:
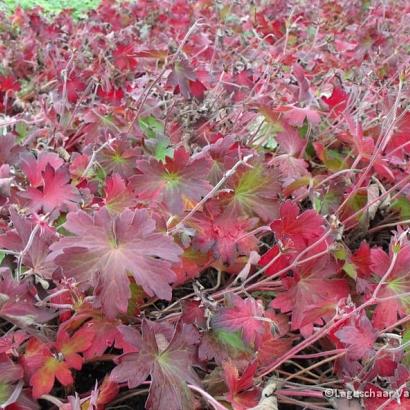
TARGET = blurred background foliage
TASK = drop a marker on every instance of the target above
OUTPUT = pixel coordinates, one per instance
(80, 7)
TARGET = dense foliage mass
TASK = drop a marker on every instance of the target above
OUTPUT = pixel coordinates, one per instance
(52, 7)
(204, 205)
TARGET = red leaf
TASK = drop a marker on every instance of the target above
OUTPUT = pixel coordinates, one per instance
(36, 256)
(362, 259)
(43, 379)
(271, 29)
(106, 248)
(118, 195)
(73, 87)
(104, 332)
(11, 342)
(245, 315)
(180, 77)
(241, 393)
(295, 229)
(169, 365)
(290, 142)
(119, 158)
(124, 57)
(359, 337)
(107, 392)
(55, 193)
(9, 83)
(281, 262)
(179, 178)
(296, 116)
(397, 283)
(337, 101)
(377, 398)
(254, 192)
(272, 348)
(9, 371)
(304, 86)
(34, 168)
(44, 368)
(18, 304)
(71, 346)
(111, 95)
(197, 89)
(311, 292)
(226, 236)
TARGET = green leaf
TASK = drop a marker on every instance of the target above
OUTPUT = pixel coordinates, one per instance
(406, 338)
(137, 297)
(340, 252)
(357, 204)
(304, 129)
(232, 340)
(158, 144)
(333, 160)
(317, 204)
(2, 256)
(5, 391)
(59, 225)
(310, 152)
(264, 131)
(22, 131)
(162, 149)
(100, 174)
(329, 201)
(80, 7)
(402, 206)
(350, 269)
(311, 31)
(150, 126)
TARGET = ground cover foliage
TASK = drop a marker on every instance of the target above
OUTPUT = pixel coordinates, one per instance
(78, 7)
(205, 205)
